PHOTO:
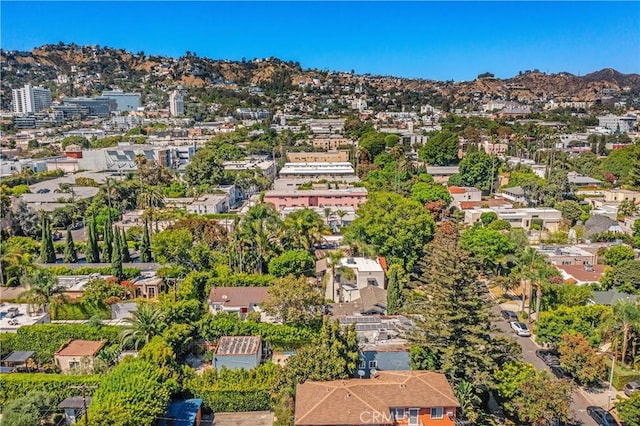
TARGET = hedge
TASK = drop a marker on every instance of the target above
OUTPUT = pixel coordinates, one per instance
(622, 377)
(59, 386)
(47, 339)
(129, 273)
(235, 390)
(79, 310)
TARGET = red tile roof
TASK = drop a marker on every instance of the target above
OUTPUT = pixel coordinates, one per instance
(580, 274)
(238, 296)
(82, 348)
(342, 401)
(457, 190)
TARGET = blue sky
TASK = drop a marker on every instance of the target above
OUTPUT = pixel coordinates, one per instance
(436, 40)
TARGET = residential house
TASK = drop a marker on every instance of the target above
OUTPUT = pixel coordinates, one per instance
(619, 195)
(520, 218)
(241, 300)
(147, 286)
(582, 181)
(14, 316)
(581, 274)
(209, 204)
(389, 398)
(371, 300)
(461, 194)
(515, 194)
(18, 361)
(265, 166)
(382, 356)
(234, 352)
(78, 356)
(441, 174)
(349, 197)
(569, 255)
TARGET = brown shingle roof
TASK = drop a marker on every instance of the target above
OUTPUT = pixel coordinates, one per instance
(82, 348)
(343, 401)
(238, 296)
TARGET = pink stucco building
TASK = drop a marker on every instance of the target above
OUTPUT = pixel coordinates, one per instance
(351, 197)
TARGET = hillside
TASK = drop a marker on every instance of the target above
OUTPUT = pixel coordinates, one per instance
(103, 67)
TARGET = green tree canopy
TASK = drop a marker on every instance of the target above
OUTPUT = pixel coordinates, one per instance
(293, 262)
(479, 170)
(294, 301)
(424, 192)
(617, 254)
(441, 149)
(392, 226)
(204, 169)
(624, 277)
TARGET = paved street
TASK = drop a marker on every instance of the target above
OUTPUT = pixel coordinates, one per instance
(580, 403)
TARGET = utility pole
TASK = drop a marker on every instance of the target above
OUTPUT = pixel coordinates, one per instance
(84, 400)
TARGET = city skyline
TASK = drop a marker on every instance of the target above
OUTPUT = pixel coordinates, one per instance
(432, 40)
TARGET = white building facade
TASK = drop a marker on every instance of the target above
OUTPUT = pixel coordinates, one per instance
(30, 99)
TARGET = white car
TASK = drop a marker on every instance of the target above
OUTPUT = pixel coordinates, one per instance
(520, 328)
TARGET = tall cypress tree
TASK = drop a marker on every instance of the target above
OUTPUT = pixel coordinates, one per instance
(47, 252)
(145, 247)
(395, 290)
(126, 256)
(92, 251)
(455, 326)
(107, 248)
(70, 255)
(116, 256)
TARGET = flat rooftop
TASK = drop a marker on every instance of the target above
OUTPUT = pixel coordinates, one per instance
(317, 192)
(23, 317)
(362, 264)
(315, 168)
(238, 345)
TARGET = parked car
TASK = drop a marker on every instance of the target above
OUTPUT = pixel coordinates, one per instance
(509, 316)
(557, 371)
(632, 387)
(548, 357)
(12, 312)
(43, 190)
(601, 416)
(520, 328)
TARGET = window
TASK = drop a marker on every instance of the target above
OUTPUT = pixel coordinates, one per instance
(363, 364)
(413, 416)
(373, 364)
(436, 412)
(73, 365)
(397, 413)
(152, 292)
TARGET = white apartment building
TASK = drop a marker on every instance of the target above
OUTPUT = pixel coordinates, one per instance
(30, 99)
(622, 124)
(176, 103)
(124, 101)
(519, 218)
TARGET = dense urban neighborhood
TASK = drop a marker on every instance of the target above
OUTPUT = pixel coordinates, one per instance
(188, 241)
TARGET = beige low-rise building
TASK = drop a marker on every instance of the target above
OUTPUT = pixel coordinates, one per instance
(318, 157)
(520, 218)
(78, 356)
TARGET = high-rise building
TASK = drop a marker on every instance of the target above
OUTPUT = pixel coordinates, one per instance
(176, 103)
(30, 99)
(124, 101)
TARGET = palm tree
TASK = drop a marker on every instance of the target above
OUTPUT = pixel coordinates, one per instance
(14, 263)
(333, 261)
(341, 214)
(43, 289)
(148, 321)
(625, 320)
(327, 214)
(468, 400)
(260, 231)
(304, 229)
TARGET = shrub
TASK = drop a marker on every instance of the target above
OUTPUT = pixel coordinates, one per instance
(58, 386)
(235, 390)
(46, 339)
(78, 311)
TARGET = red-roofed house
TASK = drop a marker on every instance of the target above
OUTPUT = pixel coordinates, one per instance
(389, 398)
(78, 356)
(460, 194)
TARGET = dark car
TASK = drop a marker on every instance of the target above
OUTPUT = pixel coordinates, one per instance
(548, 357)
(43, 190)
(557, 371)
(509, 316)
(632, 387)
(601, 416)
